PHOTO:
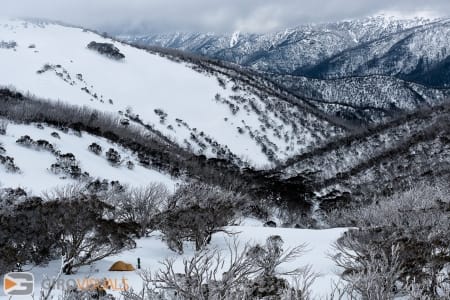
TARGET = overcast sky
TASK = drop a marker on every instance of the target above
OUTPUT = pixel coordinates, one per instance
(212, 15)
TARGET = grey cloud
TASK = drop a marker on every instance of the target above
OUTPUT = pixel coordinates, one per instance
(211, 15)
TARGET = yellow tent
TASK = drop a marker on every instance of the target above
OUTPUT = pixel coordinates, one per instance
(121, 266)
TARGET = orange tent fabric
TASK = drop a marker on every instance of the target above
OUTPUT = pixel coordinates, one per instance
(121, 266)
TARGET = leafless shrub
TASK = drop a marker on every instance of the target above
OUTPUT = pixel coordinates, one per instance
(415, 205)
(270, 256)
(206, 275)
(200, 279)
(371, 273)
(301, 287)
(421, 290)
(65, 192)
(214, 274)
(149, 289)
(194, 213)
(401, 239)
(340, 291)
(270, 282)
(140, 205)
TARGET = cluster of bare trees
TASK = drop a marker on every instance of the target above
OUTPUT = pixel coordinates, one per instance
(101, 219)
(401, 246)
(193, 213)
(79, 227)
(139, 205)
(240, 272)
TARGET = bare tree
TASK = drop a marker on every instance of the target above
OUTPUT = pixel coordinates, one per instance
(301, 287)
(270, 256)
(66, 192)
(194, 213)
(140, 205)
(83, 233)
(46, 293)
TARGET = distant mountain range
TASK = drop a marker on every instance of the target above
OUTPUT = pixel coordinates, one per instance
(416, 49)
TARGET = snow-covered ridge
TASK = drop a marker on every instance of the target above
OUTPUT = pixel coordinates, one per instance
(370, 99)
(412, 54)
(211, 115)
(287, 50)
(390, 156)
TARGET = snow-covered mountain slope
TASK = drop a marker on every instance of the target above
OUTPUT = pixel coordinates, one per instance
(366, 58)
(369, 99)
(386, 158)
(286, 52)
(208, 112)
(33, 165)
(413, 54)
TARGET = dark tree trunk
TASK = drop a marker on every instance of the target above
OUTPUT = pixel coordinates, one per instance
(67, 269)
